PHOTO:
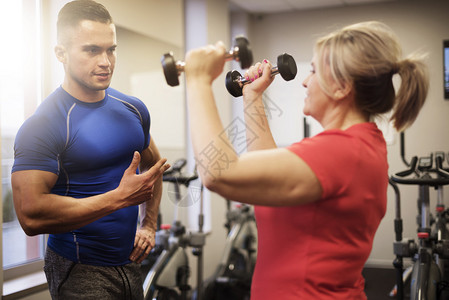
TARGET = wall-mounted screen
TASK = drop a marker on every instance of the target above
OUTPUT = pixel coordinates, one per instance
(446, 68)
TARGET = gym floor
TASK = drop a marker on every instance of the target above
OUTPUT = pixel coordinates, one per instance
(379, 282)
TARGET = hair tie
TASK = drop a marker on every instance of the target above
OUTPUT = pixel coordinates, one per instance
(395, 68)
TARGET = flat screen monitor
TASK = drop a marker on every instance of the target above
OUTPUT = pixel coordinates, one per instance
(446, 68)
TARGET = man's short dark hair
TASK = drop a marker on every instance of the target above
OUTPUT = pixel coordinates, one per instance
(76, 11)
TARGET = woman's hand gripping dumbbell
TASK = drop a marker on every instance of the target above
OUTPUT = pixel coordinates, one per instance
(241, 52)
(286, 66)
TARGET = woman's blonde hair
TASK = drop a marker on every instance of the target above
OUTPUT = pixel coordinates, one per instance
(367, 55)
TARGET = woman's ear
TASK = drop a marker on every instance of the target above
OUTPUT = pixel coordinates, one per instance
(61, 53)
(342, 91)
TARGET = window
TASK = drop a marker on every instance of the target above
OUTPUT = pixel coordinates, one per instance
(20, 92)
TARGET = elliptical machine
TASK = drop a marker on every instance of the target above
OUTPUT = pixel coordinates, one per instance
(168, 277)
(430, 274)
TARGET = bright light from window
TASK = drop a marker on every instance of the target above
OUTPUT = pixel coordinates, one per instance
(20, 91)
(12, 68)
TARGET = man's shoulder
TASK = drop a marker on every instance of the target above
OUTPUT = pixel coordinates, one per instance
(120, 96)
(129, 100)
(55, 102)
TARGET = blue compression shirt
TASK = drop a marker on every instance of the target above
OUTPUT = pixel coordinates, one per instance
(89, 146)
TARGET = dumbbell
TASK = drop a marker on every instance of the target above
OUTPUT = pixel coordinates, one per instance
(286, 66)
(241, 52)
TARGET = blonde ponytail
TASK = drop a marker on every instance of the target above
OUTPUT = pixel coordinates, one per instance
(412, 92)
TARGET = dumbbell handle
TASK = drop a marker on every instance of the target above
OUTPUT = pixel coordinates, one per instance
(233, 54)
(230, 55)
(242, 80)
(286, 66)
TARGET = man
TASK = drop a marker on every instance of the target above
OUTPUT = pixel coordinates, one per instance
(75, 173)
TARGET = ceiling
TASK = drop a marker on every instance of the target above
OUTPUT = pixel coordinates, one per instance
(276, 6)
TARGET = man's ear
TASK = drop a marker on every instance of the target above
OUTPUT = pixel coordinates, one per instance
(61, 53)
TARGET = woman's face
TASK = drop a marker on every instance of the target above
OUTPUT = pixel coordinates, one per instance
(316, 101)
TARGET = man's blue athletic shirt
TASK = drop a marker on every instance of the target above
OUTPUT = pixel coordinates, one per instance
(89, 146)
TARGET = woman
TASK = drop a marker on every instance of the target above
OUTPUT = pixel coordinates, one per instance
(316, 223)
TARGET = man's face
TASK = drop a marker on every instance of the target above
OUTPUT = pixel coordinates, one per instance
(89, 59)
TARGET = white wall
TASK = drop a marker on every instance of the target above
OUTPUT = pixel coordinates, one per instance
(419, 25)
(207, 21)
(160, 20)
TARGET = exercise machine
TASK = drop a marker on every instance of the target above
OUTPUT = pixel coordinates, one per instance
(169, 274)
(168, 265)
(232, 278)
(429, 276)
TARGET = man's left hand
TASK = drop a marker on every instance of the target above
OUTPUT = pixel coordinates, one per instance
(143, 243)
